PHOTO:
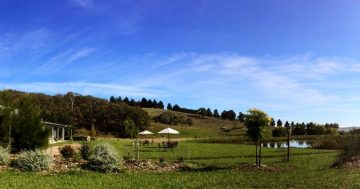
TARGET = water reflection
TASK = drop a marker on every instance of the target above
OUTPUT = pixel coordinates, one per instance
(293, 144)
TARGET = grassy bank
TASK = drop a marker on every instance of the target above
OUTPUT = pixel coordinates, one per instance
(215, 166)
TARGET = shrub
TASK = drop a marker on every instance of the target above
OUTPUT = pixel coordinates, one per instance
(104, 158)
(351, 146)
(80, 134)
(85, 150)
(170, 118)
(67, 151)
(33, 160)
(4, 156)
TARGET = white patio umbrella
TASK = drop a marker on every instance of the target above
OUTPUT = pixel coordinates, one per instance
(146, 132)
(169, 131)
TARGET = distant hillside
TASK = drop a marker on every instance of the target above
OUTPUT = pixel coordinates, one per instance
(347, 129)
(201, 127)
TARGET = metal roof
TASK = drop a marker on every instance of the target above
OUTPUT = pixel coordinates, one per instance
(55, 124)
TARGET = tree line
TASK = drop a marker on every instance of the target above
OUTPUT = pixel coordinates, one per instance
(310, 128)
(87, 112)
(202, 112)
(144, 103)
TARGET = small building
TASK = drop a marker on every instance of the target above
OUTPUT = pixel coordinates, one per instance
(58, 132)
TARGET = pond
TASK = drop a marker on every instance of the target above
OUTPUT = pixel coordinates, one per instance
(293, 144)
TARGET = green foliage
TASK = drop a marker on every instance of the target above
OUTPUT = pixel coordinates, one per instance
(81, 133)
(241, 117)
(256, 121)
(80, 111)
(299, 129)
(27, 130)
(287, 124)
(272, 122)
(4, 156)
(279, 132)
(85, 150)
(169, 107)
(33, 160)
(170, 118)
(216, 113)
(128, 129)
(67, 151)
(202, 112)
(229, 115)
(104, 158)
(351, 146)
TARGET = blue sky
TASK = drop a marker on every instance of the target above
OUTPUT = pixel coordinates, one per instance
(297, 60)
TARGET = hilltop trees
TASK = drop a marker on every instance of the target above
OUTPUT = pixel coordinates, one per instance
(86, 112)
(170, 118)
(241, 117)
(287, 124)
(169, 107)
(229, 115)
(279, 123)
(216, 113)
(256, 122)
(310, 128)
(272, 122)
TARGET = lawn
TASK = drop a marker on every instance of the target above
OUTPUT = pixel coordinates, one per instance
(217, 166)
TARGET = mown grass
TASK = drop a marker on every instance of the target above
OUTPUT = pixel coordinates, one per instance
(217, 166)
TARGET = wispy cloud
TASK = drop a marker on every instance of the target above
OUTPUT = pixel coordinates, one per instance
(80, 54)
(62, 59)
(83, 3)
(296, 87)
(288, 82)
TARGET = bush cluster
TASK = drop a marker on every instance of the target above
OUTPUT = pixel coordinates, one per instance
(33, 160)
(4, 156)
(104, 158)
(170, 118)
(67, 151)
(85, 150)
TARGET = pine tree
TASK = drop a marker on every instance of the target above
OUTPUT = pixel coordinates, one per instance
(272, 123)
(169, 107)
(216, 113)
(161, 105)
(208, 112)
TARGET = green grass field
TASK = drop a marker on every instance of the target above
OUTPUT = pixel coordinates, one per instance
(217, 166)
(219, 161)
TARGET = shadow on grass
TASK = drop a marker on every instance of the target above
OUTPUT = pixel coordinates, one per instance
(253, 156)
(203, 169)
